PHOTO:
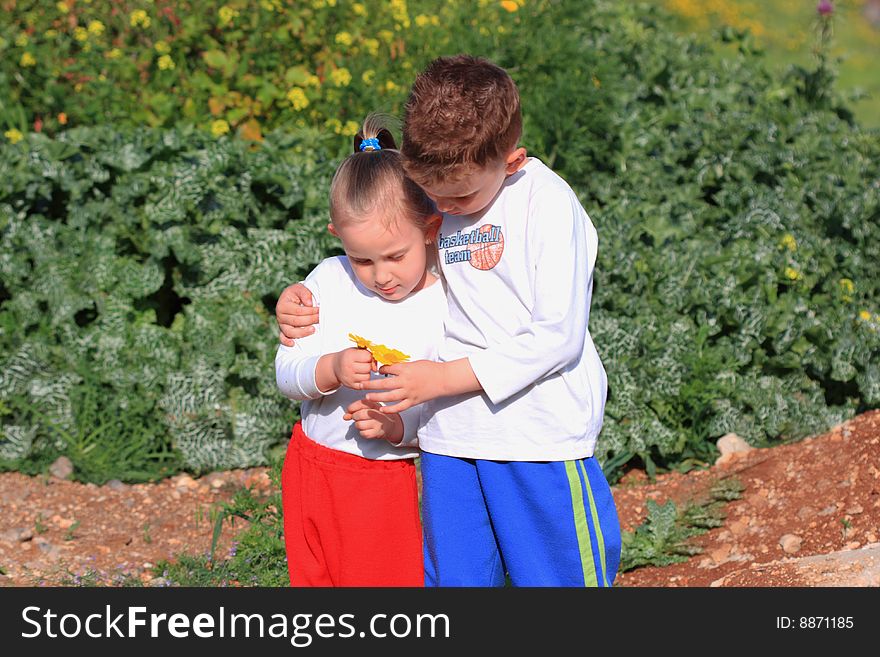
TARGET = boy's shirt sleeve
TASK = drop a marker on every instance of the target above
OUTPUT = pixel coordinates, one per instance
(564, 243)
(295, 366)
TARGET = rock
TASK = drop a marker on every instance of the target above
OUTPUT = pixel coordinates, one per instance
(855, 509)
(158, 581)
(790, 543)
(17, 535)
(62, 468)
(806, 512)
(732, 444)
(115, 484)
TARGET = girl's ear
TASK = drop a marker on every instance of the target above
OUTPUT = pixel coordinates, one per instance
(515, 161)
(433, 227)
(332, 229)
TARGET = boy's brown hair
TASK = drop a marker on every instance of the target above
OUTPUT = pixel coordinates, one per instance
(463, 112)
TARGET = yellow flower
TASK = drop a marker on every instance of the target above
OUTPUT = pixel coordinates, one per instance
(162, 47)
(362, 343)
(50, 33)
(359, 9)
(399, 12)
(80, 34)
(386, 355)
(96, 28)
(435, 20)
(390, 86)
(792, 274)
(341, 77)
(371, 46)
(509, 5)
(219, 127)
(139, 18)
(368, 76)
(847, 286)
(62, 118)
(78, 87)
(344, 39)
(21, 40)
(115, 53)
(386, 35)
(865, 315)
(422, 20)
(350, 128)
(596, 82)
(27, 59)
(334, 124)
(312, 81)
(789, 242)
(62, 7)
(227, 14)
(13, 135)
(297, 98)
(165, 63)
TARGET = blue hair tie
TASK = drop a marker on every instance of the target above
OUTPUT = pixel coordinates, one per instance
(371, 144)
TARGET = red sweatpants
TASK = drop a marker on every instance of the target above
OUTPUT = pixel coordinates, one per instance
(349, 521)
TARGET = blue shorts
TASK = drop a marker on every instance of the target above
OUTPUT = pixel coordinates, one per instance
(540, 523)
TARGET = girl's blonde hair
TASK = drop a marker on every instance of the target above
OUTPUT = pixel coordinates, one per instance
(373, 180)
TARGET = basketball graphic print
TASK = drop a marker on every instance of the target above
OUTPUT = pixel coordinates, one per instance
(487, 254)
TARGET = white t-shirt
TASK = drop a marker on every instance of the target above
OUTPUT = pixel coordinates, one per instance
(414, 325)
(519, 282)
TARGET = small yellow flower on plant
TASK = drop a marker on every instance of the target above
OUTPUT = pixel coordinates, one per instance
(21, 40)
(390, 86)
(96, 28)
(13, 135)
(371, 46)
(422, 20)
(792, 273)
(789, 242)
(27, 59)
(219, 127)
(162, 47)
(341, 77)
(62, 7)
(344, 39)
(865, 315)
(297, 98)
(62, 118)
(368, 76)
(165, 63)
(50, 33)
(350, 128)
(139, 18)
(359, 9)
(80, 34)
(114, 53)
(509, 5)
(227, 14)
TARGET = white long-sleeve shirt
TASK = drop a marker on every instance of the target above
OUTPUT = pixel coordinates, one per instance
(413, 325)
(519, 283)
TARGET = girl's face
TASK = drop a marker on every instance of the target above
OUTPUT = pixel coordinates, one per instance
(392, 260)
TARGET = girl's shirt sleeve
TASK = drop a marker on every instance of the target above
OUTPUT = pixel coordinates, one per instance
(295, 366)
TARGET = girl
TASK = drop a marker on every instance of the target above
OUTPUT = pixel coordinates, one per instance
(351, 515)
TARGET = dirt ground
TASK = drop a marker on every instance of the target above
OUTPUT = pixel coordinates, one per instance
(800, 503)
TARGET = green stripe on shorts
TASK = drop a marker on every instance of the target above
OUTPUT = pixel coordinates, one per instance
(596, 524)
(585, 545)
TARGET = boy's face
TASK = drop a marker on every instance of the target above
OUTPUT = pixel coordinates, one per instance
(474, 192)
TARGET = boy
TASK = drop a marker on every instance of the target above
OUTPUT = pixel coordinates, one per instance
(514, 407)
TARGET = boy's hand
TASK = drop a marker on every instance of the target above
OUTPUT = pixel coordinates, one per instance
(295, 314)
(352, 367)
(372, 423)
(410, 384)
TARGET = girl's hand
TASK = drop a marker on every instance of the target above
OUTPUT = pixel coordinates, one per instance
(295, 314)
(352, 367)
(373, 423)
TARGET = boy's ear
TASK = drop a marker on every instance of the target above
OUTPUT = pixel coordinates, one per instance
(332, 230)
(515, 161)
(433, 228)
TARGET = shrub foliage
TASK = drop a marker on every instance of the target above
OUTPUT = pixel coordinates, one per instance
(736, 283)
